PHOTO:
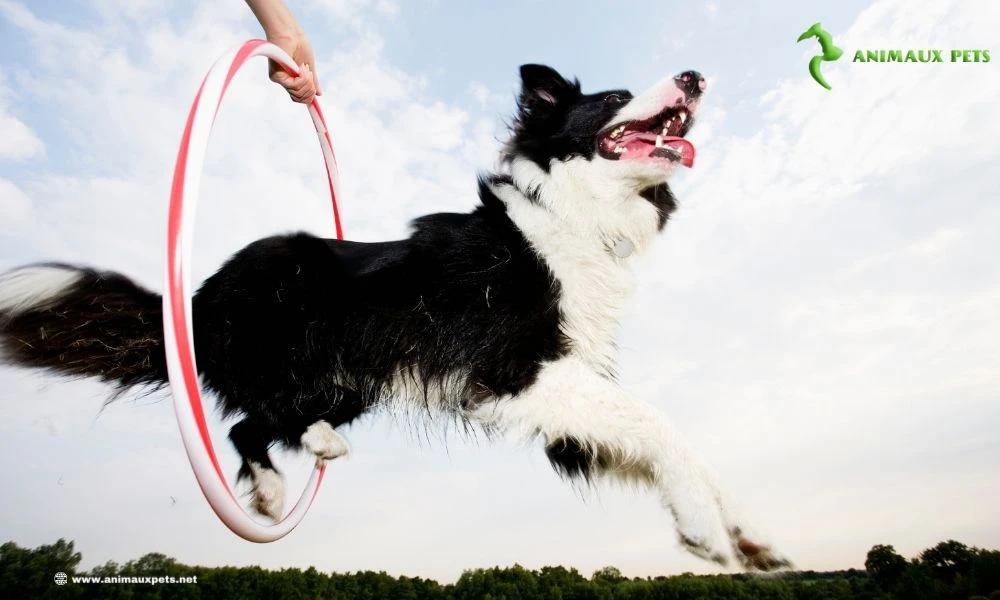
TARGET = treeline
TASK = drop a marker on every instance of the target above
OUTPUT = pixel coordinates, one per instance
(948, 571)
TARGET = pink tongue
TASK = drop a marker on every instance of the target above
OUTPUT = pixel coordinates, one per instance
(683, 146)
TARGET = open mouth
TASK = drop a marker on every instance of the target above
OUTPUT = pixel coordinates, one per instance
(659, 138)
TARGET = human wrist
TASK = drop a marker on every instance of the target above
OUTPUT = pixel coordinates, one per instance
(287, 30)
(283, 35)
(275, 18)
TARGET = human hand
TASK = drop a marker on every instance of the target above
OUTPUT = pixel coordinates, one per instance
(303, 87)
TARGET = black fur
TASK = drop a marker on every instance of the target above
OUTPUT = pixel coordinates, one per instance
(294, 329)
(555, 120)
(106, 327)
(663, 199)
(569, 458)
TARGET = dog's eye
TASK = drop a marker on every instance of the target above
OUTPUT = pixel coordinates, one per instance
(614, 99)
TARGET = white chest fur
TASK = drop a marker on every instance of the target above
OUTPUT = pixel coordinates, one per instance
(582, 247)
(595, 286)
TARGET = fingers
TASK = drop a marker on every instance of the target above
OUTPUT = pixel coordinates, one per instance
(305, 86)
(304, 56)
(301, 88)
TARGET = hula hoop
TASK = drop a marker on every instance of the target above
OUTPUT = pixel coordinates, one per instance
(178, 334)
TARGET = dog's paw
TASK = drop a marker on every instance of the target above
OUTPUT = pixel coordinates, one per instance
(323, 441)
(756, 556)
(268, 493)
(709, 528)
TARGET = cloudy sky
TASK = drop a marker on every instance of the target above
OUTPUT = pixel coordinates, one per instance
(820, 318)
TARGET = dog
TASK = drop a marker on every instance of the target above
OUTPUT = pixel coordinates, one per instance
(504, 317)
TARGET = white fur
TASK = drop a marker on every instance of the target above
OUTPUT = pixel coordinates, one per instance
(34, 288)
(406, 391)
(268, 491)
(571, 400)
(584, 210)
(323, 441)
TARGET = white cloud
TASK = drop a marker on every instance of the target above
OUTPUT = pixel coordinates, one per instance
(357, 13)
(17, 141)
(15, 206)
(936, 246)
(489, 99)
(387, 7)
(480, 92)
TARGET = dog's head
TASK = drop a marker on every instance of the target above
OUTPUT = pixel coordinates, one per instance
(611, 146)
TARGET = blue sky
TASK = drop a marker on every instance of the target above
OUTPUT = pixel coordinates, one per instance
(819, 318)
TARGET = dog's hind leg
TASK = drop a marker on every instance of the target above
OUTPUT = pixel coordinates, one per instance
(252, 439)
(592, 428)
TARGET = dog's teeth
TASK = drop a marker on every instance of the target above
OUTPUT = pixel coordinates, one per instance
(659, 141)
(684, 117)
(619, 149)
(666, 131)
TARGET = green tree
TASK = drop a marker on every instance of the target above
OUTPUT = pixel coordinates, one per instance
(948, 560)
(949, 570)
(28, 573)
(885, 566)
(608, 575)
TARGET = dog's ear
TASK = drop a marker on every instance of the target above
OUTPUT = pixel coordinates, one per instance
(542, 85)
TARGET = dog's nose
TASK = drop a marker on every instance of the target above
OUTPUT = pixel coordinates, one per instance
(692, 83)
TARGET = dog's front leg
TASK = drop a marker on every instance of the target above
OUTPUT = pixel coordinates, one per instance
(591, 427)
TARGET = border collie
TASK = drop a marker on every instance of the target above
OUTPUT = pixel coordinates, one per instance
(505, 317)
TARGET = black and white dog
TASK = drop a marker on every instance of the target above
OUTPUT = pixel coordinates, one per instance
(505, 317)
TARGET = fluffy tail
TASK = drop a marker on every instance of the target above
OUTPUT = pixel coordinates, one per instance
(82, 323)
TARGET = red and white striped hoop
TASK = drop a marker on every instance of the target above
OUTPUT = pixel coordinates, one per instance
(177, 321)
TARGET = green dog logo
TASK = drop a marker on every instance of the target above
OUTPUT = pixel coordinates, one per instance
(830, 52)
